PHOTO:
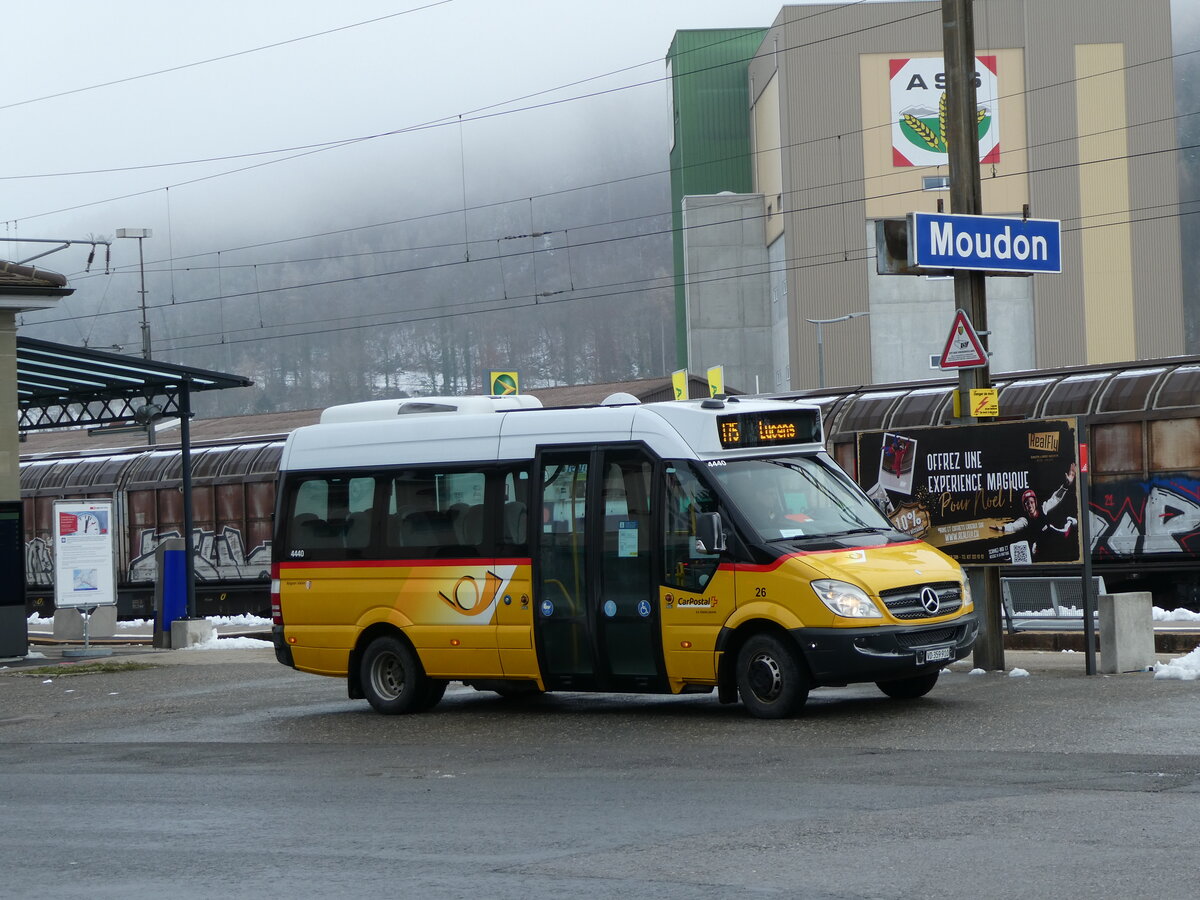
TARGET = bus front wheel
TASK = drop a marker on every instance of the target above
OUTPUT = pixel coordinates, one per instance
(771, 678)
(393, 680)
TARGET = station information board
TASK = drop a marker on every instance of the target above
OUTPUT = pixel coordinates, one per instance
(84, 572)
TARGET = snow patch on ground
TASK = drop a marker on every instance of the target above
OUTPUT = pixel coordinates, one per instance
(231, 643)
(1186, 668)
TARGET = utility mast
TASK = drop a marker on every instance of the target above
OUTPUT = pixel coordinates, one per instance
(970, 296)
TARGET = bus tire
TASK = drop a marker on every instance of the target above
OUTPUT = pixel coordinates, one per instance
(434, 689)
(908, 688)
(771, 678)
(392, 678)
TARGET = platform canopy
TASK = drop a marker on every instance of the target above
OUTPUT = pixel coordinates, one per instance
(61, 386)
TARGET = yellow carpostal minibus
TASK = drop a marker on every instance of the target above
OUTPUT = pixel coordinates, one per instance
(673, 547)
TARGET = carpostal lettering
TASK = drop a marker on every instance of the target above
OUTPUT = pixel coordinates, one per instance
(696, 603)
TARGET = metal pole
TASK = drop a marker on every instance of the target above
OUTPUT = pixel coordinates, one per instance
(1085, 539)
(150, 435)
(145, 324)
(820, 357)
(185, 440)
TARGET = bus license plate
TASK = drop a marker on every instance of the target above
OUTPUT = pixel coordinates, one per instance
(937, 654)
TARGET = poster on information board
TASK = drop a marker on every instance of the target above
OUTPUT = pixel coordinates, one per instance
(84, 574)
(1001, 494)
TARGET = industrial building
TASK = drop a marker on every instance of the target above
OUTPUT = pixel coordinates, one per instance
(784, 158)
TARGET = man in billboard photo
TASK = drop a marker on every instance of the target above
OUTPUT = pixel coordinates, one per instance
(1038, 535)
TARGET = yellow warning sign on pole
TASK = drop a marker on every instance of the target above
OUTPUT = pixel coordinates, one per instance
(985, 402)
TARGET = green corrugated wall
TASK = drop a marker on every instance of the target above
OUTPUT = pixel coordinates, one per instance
(712, 145)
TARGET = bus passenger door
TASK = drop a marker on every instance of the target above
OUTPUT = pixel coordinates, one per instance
(561, 579)
(596, 612)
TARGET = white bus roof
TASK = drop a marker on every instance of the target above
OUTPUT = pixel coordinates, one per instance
(374, 410)
(371, 437)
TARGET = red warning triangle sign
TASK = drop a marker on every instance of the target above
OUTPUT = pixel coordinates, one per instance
(963, 348)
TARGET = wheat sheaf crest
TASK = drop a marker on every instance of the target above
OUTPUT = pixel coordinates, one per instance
(942, 121)
(923, 131)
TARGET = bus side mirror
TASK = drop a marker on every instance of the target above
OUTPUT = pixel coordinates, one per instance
(710, 535)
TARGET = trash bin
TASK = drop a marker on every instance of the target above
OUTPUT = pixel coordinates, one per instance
(170, 588)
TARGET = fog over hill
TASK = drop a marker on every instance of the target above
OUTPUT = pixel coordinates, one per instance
(372, 199)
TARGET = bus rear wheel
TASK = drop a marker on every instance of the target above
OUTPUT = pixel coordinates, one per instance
(771, 678)
(908, 688)
(393, 680)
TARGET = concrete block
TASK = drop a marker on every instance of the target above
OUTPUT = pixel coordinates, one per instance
(1126, 632)
(189, 632)
(68, 624)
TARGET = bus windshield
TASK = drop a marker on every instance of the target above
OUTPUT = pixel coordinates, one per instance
(796, 496)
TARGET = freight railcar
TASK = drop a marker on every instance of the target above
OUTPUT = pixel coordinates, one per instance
(233, 494)
(1141, 421)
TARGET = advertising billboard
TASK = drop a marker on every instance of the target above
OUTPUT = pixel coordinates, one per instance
(996, 494)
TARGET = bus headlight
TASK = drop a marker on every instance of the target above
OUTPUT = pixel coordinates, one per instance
(967, 603)
(845, 599)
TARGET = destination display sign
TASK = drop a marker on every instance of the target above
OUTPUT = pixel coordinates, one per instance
(787, 426)
(1007, 246)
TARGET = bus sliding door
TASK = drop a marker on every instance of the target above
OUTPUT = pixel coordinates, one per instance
(595, 614)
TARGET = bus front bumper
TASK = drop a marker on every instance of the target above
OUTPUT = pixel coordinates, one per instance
(838, 656)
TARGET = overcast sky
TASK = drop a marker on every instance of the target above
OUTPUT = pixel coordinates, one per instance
(79, 103)
(437, 62)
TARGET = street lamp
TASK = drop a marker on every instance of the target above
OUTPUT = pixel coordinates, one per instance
(141, 233)
(821, 342)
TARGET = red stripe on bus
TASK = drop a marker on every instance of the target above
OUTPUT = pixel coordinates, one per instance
(400, 563)
(772, 566)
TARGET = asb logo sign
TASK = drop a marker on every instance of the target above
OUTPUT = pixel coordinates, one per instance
(985, 243)
(918, 88)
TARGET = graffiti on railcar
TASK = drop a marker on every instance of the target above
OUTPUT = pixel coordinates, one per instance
(219, 556)
(39, 563)
(1146, 518)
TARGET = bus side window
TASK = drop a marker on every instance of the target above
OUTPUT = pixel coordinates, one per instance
(685, 566)
(434, 512)
(331, 514)
(514, 530)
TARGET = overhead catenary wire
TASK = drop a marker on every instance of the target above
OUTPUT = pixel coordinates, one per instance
(451, 310)
(801, 143)
(227, 56)
(659, 232)
(482, 113)
(424, 217)
(630, 237)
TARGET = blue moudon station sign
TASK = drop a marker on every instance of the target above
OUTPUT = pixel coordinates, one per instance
(1007, 246)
